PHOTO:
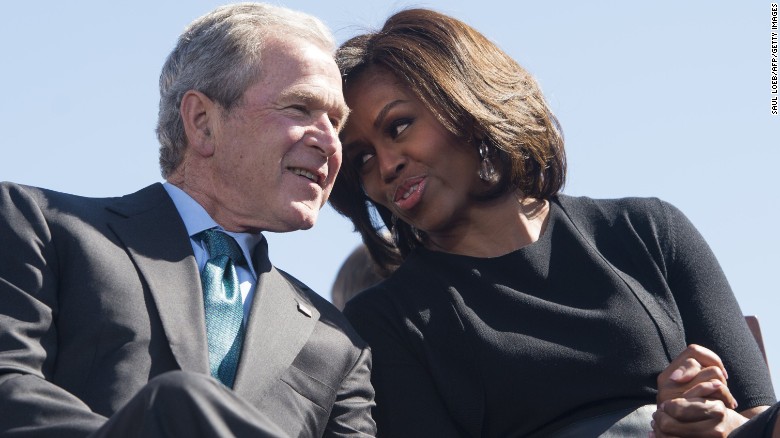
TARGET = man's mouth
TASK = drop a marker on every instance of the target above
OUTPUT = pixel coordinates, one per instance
(306, 174)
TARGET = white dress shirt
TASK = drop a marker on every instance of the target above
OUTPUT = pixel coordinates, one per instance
(196, 219)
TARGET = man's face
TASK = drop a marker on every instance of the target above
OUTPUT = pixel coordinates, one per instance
(277, 151)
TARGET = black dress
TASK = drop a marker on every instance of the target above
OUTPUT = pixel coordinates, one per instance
(578, 324)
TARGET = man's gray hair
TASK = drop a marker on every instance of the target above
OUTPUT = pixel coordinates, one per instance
(219, 54)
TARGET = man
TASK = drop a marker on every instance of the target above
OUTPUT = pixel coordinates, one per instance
(122, 317)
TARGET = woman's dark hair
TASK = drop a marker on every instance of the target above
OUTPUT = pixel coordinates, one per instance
(476, 91)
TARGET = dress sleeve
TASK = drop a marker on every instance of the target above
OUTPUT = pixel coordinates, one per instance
(710, 312)
(760, 426)
(29, 402)
(407, 401)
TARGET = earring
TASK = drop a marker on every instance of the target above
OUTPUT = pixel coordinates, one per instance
(487, 172)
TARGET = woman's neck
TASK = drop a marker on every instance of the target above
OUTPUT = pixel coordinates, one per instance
(495, 228)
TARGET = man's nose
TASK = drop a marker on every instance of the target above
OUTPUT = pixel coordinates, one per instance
(323, 136)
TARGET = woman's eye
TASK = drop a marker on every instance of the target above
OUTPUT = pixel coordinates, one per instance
(398, 127)
(361, 159)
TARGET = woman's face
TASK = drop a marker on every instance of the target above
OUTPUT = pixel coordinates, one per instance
(407, 161)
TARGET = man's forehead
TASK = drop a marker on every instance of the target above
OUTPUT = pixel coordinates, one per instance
(297, 62)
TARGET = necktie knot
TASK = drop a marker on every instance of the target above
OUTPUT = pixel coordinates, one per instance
(221, 244)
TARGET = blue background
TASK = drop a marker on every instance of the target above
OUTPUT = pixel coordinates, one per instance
(667, 99)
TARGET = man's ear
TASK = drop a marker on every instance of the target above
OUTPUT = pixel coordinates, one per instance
(198, 113)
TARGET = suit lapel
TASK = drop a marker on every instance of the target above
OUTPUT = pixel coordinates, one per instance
(280, 323)
(153, 233)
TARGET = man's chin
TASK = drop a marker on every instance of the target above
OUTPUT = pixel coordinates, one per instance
(302, 217)
(307, 224)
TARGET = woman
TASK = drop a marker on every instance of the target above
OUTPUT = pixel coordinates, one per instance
(516, 311)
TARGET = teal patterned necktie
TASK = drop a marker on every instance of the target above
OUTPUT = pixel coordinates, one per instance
(224, 309)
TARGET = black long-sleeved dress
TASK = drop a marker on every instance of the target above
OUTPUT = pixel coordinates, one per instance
(578, 324)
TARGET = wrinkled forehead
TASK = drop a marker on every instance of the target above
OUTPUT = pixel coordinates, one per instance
(297, 70)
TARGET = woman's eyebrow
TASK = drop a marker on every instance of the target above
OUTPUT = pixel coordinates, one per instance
(383, 112)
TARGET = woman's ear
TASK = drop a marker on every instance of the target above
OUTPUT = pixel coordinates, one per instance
(198, 114)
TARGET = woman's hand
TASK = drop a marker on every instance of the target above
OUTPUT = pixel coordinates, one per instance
(694, 417)
(701, 412)
(694, 399)
(697, 372)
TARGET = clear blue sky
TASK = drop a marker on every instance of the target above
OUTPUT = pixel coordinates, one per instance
(667, 99)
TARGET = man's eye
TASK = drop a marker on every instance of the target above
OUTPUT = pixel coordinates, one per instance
(300, 108)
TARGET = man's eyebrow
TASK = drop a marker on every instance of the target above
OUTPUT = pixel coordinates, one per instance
(317, 99)
(304, 95)
(311, 97)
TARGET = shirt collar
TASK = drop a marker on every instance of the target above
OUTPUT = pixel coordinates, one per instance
(196, 219)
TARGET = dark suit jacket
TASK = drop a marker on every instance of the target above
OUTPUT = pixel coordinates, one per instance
(97, 296)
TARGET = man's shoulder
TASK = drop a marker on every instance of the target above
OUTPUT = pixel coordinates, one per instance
(69, 213)
(328, 313)
(19, 202)
(15, 193)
